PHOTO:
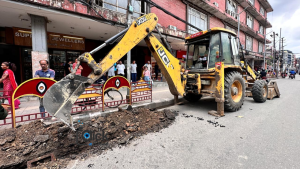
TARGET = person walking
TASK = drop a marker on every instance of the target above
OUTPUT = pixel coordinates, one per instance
(79, 70)
(67, 67)
(44, 72)
(121, 68)
(111, 72)
(147, 75)
(149, 66)
(9, 82)
(133, 67)
(156, 69)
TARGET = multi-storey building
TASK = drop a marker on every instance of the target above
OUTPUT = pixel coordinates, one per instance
(31, 30)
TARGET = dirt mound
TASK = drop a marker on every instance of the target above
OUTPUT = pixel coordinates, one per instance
(36, 139)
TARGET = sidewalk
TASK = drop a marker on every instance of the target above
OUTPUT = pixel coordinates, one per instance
(160, 91)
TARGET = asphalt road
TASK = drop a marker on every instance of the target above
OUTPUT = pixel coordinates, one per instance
(267, 135)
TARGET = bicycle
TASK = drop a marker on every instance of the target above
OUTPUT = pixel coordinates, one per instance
(109, 96)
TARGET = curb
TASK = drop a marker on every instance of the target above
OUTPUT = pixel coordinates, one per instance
(152, 105)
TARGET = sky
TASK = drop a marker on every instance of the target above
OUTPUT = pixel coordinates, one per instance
(286, 15)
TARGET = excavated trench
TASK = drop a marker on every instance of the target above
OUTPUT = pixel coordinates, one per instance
(36, 139)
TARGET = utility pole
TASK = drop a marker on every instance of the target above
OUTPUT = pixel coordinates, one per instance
(274, 51)
(129, 15)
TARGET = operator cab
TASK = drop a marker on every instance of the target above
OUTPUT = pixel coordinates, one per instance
(206, 47)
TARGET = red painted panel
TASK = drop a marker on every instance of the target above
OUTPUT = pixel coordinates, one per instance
(221, 3)
(180, 54)
(256, 25)
(255, 45)
(116, 82)
(37, 86)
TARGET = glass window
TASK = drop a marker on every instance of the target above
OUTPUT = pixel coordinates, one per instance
(249, 43)
(57, 60)
(198, 55)
(261, 30)
(234, 48)
(260, 47)
(251, 2)
(27, 63)
(226, 47)
(121, 6)
(249, 21)
(214, 48)
(231, 8)
(262, 11)
(197, 19)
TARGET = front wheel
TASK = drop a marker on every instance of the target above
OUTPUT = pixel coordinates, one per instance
(260, 91)
(112, 98)
(234, 91)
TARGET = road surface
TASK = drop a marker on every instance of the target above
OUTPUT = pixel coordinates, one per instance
(257, 136)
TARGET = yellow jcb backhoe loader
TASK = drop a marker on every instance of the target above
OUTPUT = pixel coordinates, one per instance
(214, 67)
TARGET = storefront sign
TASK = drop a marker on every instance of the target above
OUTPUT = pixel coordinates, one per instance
(23, 37)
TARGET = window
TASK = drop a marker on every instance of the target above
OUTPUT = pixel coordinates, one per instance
(214, 48)
(226, 47)
(229, 28)
(261, 29)
(198, 54)
(121, 6)
(231, 8)
(249, 43)
(260, 47)
(251, 2)
(262, 11)
(197, 19)
(249, 21)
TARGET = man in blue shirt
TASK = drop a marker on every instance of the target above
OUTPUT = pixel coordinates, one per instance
(44, 72)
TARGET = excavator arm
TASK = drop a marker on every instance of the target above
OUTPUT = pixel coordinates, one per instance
(60, 97)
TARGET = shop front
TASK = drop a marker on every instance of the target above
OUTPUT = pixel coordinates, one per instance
(61, 48)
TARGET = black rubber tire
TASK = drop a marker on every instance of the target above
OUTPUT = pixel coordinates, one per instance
(258, 91)
(192, 97)
(229, 104)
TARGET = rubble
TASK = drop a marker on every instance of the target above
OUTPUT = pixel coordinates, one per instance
(35, 139)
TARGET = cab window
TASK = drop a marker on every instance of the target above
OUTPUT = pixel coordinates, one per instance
(214, 49)
(226, 48)
(198, 55)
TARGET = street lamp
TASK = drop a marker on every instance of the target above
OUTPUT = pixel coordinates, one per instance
(265, 49)
(239, 24)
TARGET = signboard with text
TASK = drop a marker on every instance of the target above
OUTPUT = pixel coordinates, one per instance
(23, 37)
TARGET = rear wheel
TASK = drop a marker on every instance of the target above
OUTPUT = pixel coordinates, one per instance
(234, 90)
(192, 97)
(260, 91)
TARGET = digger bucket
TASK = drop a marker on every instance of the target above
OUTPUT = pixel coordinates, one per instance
(60, 97)
(273, 90)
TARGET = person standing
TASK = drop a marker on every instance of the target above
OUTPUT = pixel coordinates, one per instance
(133, 67)
(111, 72)
(9, 81)
(156, 69)
(149, 66)
(147, 75)
(44, 72)
(121, 68)
(67, 67)
(79, 70)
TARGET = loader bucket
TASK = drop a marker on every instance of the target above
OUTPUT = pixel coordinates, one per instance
(273, 90)
(60, 97)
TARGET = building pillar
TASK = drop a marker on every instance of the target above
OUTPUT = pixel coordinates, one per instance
(39, 41)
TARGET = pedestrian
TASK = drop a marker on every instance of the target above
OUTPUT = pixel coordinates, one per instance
(44, 72)
(111, 72)
(9, 82)
(149, 66)
(121, 68)
(79, 70)
(156, 69)
(67, 67)
(147, 75)
(133, 67)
